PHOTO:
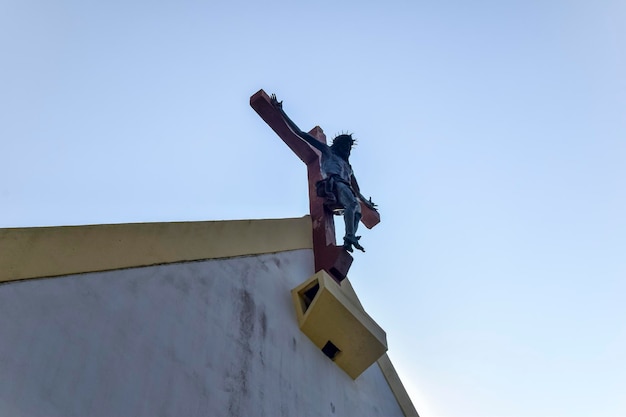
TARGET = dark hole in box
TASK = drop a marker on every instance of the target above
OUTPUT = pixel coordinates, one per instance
(310, 294)
(331, 350)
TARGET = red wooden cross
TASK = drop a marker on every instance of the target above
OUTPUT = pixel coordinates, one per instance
(328, 256)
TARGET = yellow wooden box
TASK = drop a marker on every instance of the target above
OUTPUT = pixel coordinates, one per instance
(337, 325)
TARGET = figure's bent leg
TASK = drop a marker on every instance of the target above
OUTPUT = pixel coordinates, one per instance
(352, 239)
(357, 216)
(351, 215)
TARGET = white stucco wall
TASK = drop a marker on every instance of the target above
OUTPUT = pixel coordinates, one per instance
(209, 338)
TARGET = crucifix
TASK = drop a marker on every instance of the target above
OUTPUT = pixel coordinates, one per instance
(335, 260)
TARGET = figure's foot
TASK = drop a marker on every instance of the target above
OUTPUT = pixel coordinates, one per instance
(351, 240)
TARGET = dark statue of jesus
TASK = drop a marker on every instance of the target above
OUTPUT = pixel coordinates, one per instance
(338, 186)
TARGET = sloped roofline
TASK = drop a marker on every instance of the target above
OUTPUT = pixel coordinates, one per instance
(39, 252)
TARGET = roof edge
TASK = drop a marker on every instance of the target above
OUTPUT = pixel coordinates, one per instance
(39, 252)
(404, 401)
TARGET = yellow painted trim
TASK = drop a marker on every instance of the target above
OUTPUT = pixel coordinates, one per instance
(52, 251)
(406, 405)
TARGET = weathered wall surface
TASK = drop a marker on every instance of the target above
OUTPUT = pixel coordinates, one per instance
(210, 338)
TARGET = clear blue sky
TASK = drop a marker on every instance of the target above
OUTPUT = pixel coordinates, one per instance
(492, 134)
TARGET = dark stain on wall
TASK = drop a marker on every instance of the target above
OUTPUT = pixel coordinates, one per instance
(246, 322)
(263, 319)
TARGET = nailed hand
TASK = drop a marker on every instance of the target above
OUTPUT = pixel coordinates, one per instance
(275, 102)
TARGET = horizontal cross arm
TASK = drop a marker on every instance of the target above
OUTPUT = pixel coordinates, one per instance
(370, 218)
(261, 103)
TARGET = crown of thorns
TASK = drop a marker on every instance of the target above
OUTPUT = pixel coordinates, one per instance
(345, 137)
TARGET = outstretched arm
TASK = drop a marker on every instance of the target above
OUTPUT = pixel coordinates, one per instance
(322, 147)
(368, 202)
